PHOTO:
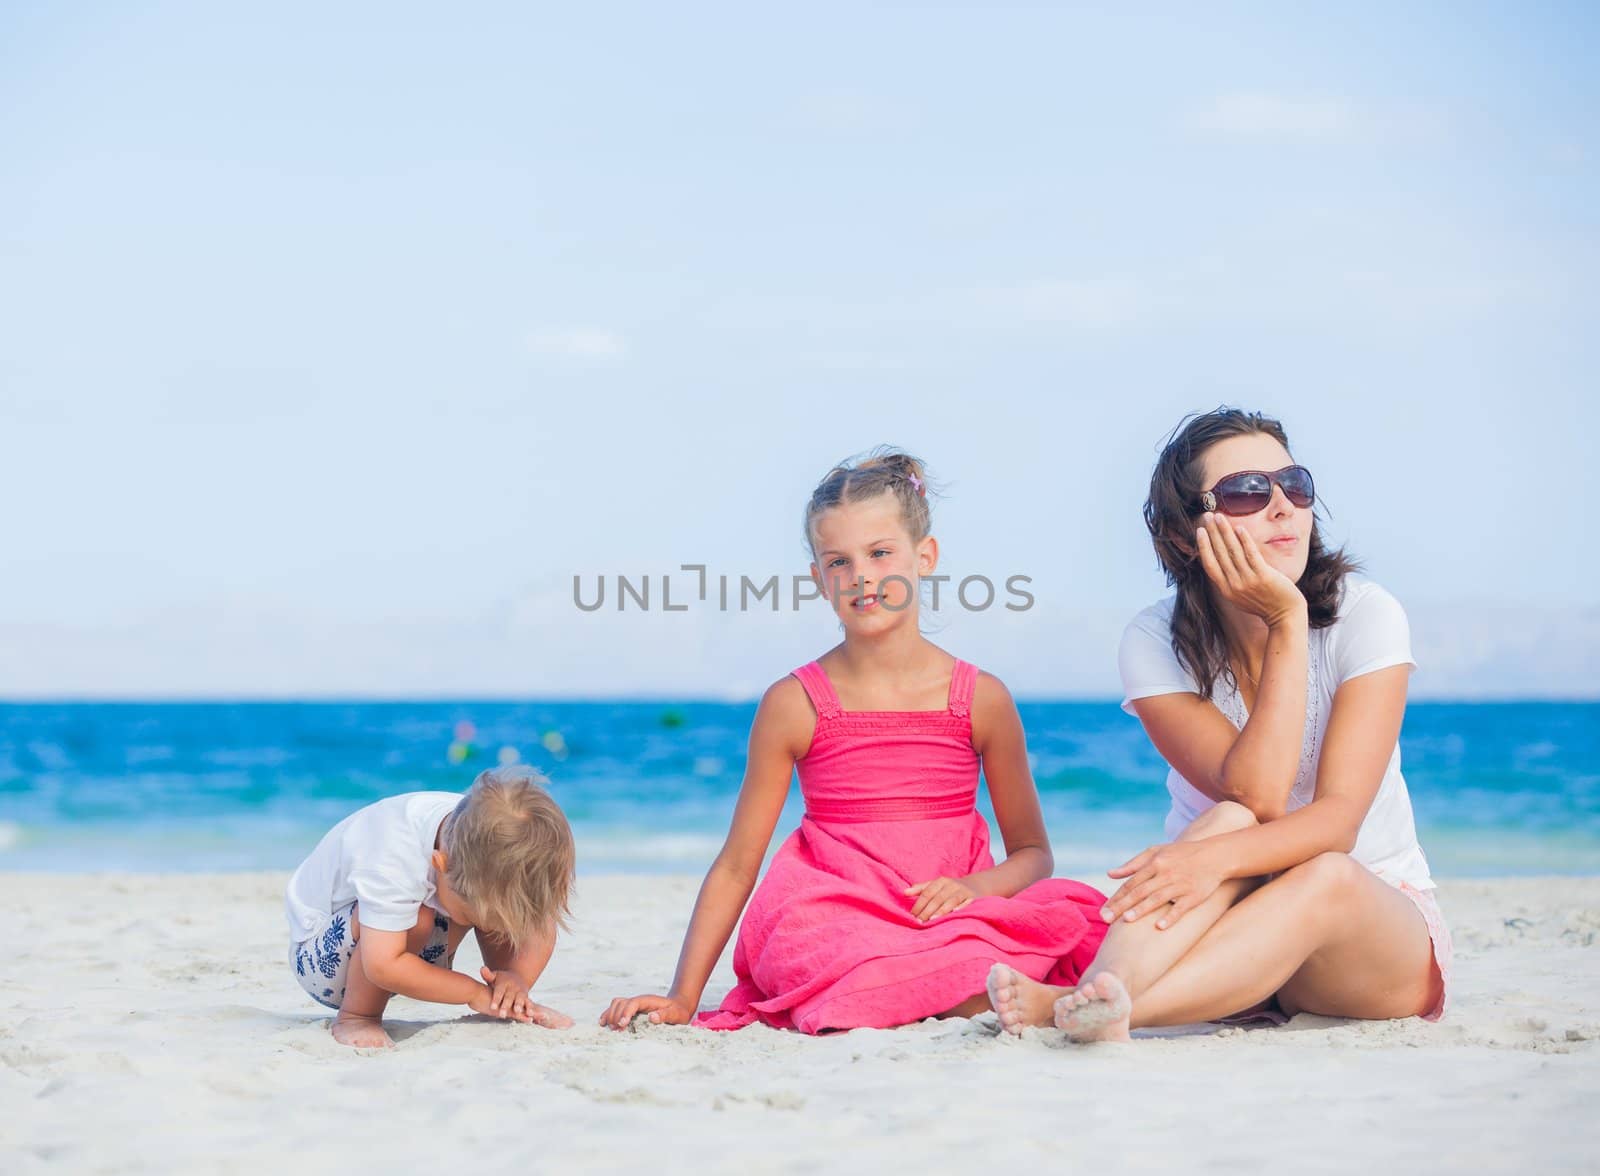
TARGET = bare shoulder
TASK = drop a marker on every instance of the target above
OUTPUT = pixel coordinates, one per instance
(989, 694)
(994, 711)
(785, 717)
(785, 696)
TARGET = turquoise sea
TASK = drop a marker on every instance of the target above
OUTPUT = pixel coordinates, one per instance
(1499, 788)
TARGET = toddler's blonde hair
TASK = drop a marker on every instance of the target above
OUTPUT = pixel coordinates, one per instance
(510, 855)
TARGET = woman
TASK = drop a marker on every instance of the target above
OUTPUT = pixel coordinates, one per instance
(1273, 683)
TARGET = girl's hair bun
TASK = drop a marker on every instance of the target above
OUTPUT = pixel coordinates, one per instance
(884, 469)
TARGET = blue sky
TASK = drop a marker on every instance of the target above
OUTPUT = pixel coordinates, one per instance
(333, 343)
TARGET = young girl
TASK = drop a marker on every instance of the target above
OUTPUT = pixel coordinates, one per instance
(884, 906)
(1273, 682)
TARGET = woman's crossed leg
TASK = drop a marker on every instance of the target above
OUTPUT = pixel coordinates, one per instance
(1327, 936)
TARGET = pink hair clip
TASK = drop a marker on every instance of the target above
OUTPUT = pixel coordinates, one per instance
(916, 482)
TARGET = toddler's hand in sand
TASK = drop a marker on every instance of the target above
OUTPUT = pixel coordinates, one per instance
(484, 1002)
(663, 1010)
(938, 897)
(508, 993)
(508, 997)
(1185, 874)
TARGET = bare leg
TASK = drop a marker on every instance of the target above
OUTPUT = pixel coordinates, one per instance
(1139, 954)
(1135, 955)
(1135, 952)
(1328, 936)
(360, 1020)
(970, 1007)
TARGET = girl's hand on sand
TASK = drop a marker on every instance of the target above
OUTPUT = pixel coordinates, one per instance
(938, 897)
(1184, 874)
(663, 1010)
(508, 991)
(1242, 575)
(483, 1002)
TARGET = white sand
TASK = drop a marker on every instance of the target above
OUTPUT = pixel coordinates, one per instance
(149, 1023)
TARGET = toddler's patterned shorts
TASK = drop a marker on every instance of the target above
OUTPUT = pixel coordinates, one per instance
(322, 961)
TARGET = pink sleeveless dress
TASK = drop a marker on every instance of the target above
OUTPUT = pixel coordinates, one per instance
(828, 941)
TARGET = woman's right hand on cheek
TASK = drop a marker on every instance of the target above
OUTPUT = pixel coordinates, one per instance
(663, 1010)
(1242, 575)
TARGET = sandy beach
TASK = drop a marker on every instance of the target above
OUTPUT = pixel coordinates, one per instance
(150, 1024)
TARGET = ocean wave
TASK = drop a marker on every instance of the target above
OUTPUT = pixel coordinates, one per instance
(614, 849)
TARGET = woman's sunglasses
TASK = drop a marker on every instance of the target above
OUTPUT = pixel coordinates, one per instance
(1250, 490)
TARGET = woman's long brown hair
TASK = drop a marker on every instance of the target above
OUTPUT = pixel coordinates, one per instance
(1172, 513)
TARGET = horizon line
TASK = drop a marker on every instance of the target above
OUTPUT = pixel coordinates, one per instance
(638, 699)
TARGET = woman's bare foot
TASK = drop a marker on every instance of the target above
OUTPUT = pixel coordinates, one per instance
(1019, 1001)
(360, 1032)
(1097, 1011)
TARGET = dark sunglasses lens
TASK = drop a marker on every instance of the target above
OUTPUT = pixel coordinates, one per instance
(1244, 494)
(1297, 487)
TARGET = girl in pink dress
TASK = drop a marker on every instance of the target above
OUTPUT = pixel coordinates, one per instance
(885, 905)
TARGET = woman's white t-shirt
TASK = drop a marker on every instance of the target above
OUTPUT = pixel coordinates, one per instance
(380, 856)
(1370, 633)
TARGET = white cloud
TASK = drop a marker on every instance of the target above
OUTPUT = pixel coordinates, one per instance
(1411, 296)
(1568, 153)
(1482, 650)
(1091, 303)
(577, 342)
(1275, 116)
(849, 111)
(1281, 117)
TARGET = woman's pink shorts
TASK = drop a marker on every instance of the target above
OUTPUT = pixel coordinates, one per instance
(1443, 950)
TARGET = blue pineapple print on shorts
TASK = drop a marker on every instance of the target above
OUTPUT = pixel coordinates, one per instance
(332, 941)
(434, 951)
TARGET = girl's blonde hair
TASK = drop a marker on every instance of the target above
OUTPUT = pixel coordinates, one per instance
(860, 478)
(510, 856)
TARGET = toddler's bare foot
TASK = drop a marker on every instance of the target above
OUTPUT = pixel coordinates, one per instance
(360, 1032)
(1019, 1001)
(548, 1018)
(1097, 1011)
